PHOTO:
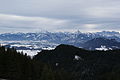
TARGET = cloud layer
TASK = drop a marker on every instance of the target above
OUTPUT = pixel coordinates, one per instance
(59, 15)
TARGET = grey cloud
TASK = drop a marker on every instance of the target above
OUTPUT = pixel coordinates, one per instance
(53, 15)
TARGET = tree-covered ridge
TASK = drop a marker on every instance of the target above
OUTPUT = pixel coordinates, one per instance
(83, 64)
(64, 63)
(16, 66)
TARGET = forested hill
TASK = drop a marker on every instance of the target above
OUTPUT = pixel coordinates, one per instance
(63, 63)
(84, 64)
(16, 66)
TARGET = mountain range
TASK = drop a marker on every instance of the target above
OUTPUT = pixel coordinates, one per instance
(105, 40)
(59, 37)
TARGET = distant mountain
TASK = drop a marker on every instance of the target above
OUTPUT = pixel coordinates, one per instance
(59, 37)
(35, 41)
(84, 64)
(101, 44)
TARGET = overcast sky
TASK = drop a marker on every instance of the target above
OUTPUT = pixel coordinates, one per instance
(59, 15)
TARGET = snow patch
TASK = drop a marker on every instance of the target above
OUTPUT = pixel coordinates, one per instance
(57, 64)
(103, 48)
(48, 48)
(20, 45)
(77, 57)
(30, 53)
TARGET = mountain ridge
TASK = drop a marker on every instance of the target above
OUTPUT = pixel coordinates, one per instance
(101, 42)
(86, 65)
(49, 40)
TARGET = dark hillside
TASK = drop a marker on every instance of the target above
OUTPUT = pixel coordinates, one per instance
(84, 64)
(16, 66)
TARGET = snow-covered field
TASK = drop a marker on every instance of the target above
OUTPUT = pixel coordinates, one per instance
(30, 53)
(30, 48)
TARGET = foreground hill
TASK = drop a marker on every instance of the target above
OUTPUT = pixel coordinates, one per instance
(83, 64)
(16, 66)
(65, 62)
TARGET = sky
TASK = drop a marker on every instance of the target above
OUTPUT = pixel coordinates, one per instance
(59, 15)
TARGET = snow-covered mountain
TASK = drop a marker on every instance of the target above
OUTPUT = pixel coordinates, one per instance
(59, 37)
(49, 40)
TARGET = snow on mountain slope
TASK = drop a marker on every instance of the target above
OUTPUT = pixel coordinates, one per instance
(58, 37)
(49, 40)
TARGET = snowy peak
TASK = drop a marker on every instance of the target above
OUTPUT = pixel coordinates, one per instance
(49, 40)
